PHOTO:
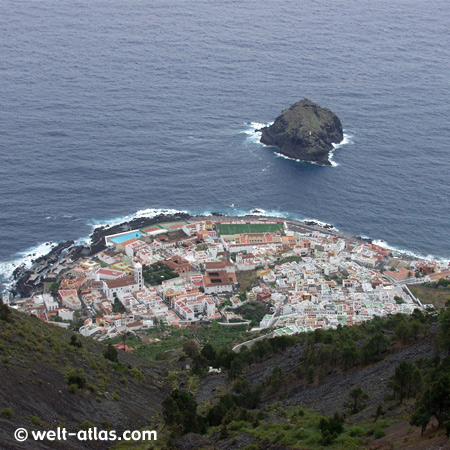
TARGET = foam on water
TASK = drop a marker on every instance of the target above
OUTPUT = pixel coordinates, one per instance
(382, 243)
(174, 132)
(24, 258)
(346, 140)
(149, 213)
(280, 155)
(253, 135)
(329, 226)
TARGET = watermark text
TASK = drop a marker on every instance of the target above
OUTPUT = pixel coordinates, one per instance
(92, 434)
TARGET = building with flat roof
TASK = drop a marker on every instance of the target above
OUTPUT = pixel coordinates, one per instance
(69, 298)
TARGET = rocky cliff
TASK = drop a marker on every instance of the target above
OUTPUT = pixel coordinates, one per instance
(305, 131)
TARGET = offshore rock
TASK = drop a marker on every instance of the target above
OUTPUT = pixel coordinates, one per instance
(305, 132)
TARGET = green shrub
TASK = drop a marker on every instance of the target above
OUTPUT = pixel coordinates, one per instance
(35, 420)
(7, 413)
(237, 425)
(119, 368)
(76, 377)
(356, 431)
(86, 425)
(73, 388)
(379, 433)
(116, 396)
(92, 388)
(136, 373)
(111, 353)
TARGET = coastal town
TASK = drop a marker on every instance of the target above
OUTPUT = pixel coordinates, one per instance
(191, 272)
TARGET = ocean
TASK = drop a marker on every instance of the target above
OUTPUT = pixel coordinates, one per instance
(111, 109)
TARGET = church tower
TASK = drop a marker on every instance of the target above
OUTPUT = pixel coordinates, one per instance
(138, 275)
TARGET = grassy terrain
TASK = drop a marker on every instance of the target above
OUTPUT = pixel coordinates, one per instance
(223, 336)
(254, 311)
(171, 340)
(239, 228)
(434, 296)
(300, 428)
(51, 376)
(170, 344)
(246, 279)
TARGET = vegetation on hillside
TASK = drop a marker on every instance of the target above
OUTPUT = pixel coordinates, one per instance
(436, 293)
(249, 414)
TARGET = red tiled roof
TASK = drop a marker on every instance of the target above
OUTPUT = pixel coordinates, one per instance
(121, 282)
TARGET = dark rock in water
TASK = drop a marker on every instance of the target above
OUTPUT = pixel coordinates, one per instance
(98, 243)
(305, 131)
(25, 284)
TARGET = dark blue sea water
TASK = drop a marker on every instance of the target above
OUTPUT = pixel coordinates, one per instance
(112, 107)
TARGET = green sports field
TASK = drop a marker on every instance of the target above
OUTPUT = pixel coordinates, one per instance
(240, 228)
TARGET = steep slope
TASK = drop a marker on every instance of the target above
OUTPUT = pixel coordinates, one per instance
(50, 379)
(354, 387)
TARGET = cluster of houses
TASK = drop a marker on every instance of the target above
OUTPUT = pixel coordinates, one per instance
(311, 279)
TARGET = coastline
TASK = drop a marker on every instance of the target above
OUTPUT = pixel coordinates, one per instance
(24, 279)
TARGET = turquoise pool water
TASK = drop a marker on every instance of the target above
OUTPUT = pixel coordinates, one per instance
(125, 237)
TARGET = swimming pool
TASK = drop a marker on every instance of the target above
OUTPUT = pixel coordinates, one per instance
(125, 237)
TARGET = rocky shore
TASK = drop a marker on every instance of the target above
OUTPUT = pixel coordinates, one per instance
(26, 280)
(97, 237)
(29, 280)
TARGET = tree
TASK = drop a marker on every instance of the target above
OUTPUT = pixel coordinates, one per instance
(373, 349)
(331, 428)
(236, 368)
(241, 386)
(209, 352)
(406, 380)
(199, 364)
(418, 315)
(54, 287)
(403, 331)
(444, 332)
(75, 341)
(180, 412)
(420, 418)
(310, 374)
(216, 414)
(325, 356)
(356, 400)
(416, 328)
(436, 397)
(349, 354)
(190, 348)
(110, 353)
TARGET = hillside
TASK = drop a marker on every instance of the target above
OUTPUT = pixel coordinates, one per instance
(354, 387)
(50, 379)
